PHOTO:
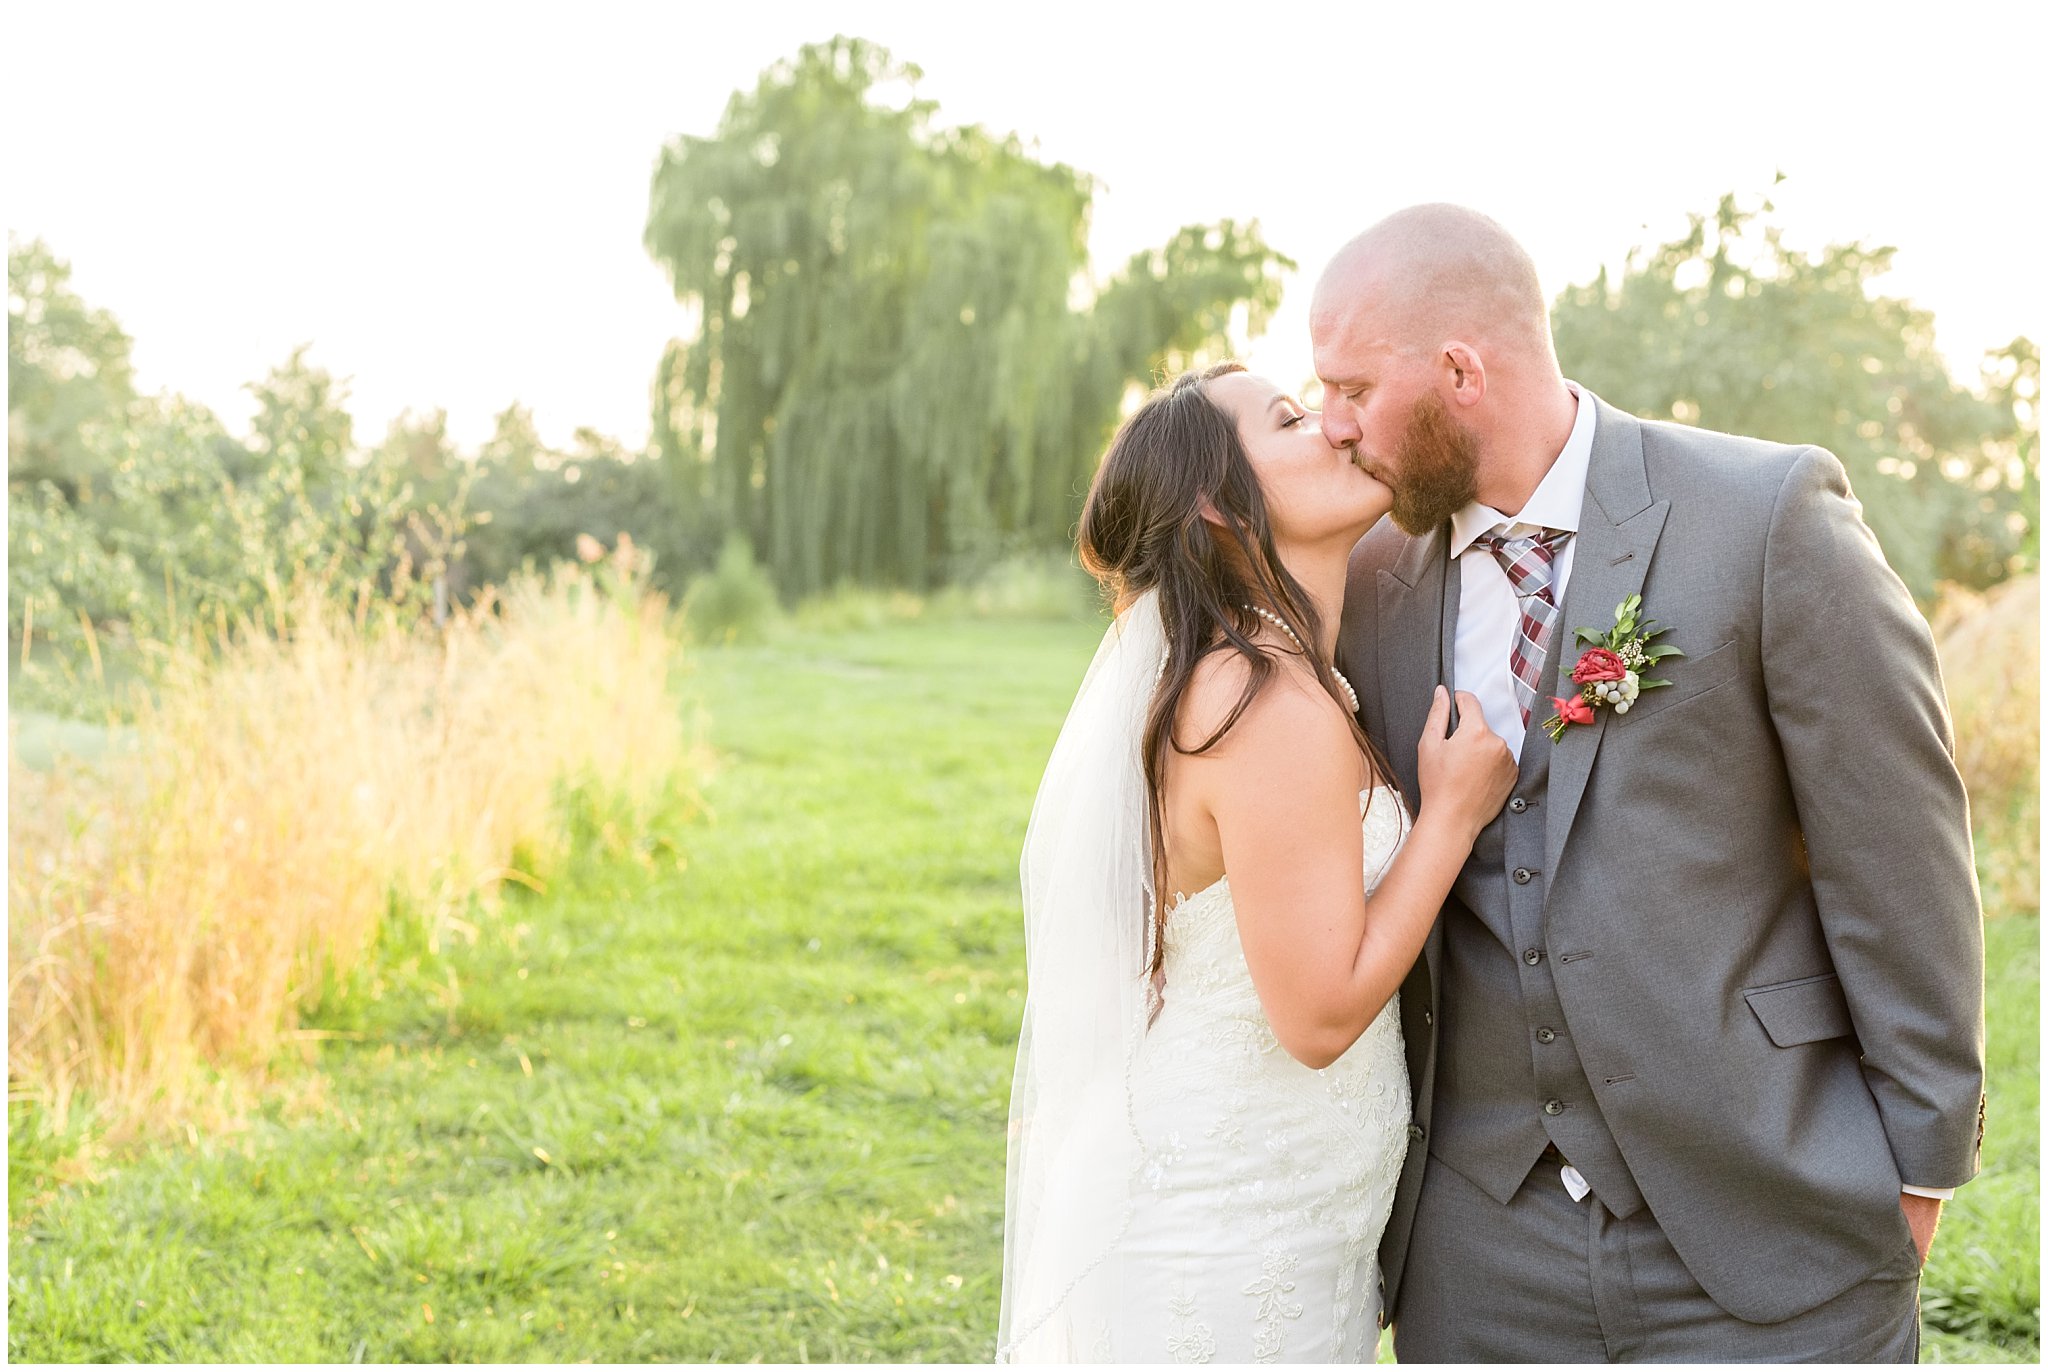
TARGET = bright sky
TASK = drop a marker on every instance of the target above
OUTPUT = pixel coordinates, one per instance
(447, 200)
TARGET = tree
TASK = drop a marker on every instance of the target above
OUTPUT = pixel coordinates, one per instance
(69, 380)
(1726, 328)
(133, 517)
(434, 483)
(2008, 475)
(532, 503)
(417, 444)
(113, 496)
(890, 374)
(515, 445)
(309, 508)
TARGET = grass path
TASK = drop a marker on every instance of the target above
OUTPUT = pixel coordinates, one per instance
(746, 1106)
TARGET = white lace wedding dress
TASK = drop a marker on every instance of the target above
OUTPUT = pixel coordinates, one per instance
(1263, 1185)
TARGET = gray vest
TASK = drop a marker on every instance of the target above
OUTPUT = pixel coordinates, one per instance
(1508, 1078)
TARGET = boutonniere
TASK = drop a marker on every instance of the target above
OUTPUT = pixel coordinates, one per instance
(1611, 672)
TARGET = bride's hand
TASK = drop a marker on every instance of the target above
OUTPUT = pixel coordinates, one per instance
(1465, 777)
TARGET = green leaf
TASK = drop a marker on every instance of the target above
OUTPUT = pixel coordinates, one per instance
(1662, 651)
(1642, 685)
(1590, 635)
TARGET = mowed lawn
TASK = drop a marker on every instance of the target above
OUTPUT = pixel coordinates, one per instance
(732, 1091)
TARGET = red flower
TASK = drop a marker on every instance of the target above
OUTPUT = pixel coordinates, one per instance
(1573, 709)
(1599, 664)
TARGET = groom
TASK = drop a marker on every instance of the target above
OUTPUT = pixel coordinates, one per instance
(1697, 1043)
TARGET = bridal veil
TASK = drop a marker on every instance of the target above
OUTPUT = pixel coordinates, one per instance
(1074, 1151)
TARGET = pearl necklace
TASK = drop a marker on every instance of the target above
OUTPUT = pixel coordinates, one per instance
(1263, 613)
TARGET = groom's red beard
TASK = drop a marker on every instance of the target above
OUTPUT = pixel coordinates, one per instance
(1436, 472)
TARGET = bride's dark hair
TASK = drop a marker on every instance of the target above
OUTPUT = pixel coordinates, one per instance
(1142, 529)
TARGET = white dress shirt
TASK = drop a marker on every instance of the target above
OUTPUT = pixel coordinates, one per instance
(1488, 612)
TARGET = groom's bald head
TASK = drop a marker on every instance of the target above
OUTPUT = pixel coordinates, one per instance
(1427, 275)
(1433, 346)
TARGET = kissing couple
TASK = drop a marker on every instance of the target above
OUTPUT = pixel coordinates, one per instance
(1503, 876)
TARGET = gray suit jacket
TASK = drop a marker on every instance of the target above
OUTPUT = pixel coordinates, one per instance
(1764, 869)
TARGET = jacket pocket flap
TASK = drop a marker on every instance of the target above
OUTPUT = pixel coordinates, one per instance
(1802, 1011)
(1690, 678)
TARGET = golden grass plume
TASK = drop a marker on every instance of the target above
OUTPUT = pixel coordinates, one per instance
(173, 906)
(1991, 664)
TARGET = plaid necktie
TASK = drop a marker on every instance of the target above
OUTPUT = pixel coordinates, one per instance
(1527, 561)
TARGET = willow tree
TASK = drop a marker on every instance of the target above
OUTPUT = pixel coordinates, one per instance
(891, 375)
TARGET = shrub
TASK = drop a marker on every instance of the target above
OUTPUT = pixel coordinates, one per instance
(735, 601)
(849, 607)
(1045, 586)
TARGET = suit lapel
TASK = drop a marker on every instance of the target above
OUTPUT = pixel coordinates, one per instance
(1416, 618)
(1417, 622)
(1618, 530)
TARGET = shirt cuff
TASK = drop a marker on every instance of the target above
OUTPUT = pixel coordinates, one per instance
(1931, 1192)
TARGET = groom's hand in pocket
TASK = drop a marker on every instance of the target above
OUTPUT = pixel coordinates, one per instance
(1923, 1213)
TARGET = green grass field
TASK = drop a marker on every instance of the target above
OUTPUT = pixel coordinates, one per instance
(740, 1097)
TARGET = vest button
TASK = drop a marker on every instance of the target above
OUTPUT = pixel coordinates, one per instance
(1415, 1132)
(1546, 1035)
(1522, 876)
(1532, 956)
(1553, 1107)
(1518, 805)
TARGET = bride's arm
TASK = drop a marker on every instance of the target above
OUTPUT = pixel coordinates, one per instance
(1283, 790)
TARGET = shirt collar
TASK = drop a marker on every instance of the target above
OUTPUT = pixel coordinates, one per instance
(1557, 498)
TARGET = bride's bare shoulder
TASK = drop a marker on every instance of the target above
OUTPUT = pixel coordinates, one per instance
(1287, 705)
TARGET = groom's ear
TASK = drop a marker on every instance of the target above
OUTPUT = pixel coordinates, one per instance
(1466, 371)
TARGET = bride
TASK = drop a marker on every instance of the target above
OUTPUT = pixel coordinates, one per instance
(1222, 893)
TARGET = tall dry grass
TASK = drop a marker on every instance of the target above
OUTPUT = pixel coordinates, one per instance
(173, 906)
(1991, 663)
